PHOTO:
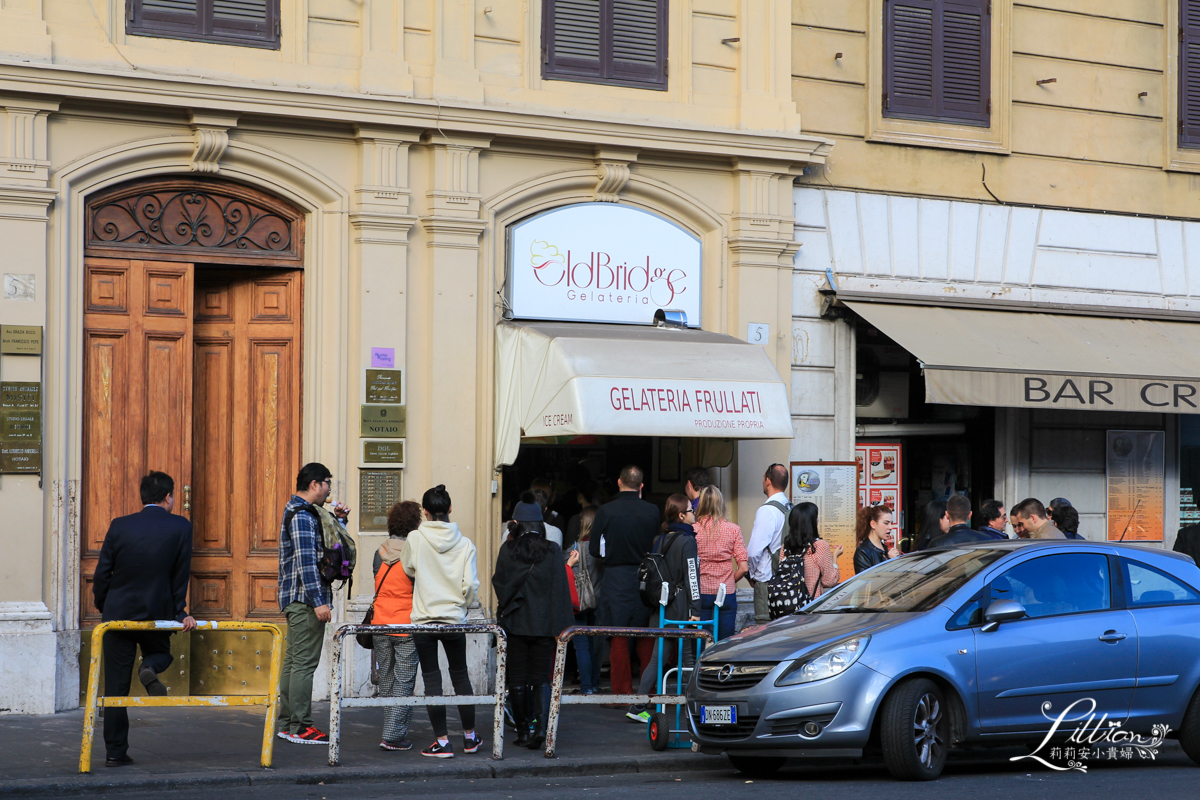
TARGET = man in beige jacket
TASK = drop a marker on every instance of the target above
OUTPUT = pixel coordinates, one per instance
(1030, 521)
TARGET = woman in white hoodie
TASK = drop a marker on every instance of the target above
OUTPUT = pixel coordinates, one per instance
(441, 562)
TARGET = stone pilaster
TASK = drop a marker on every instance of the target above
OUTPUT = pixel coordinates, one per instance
(28, 645)
(384, 69)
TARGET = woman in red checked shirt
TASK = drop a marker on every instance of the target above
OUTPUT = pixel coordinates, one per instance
(720, 545)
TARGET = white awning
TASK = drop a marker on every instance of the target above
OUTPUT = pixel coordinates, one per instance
(1025, 359)
(557, 379)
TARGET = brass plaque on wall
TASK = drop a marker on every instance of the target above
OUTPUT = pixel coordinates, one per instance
(390, 452)
(383, 422)
(20, 424)
(21, 340)
(22, 394)
(384, 385)
(378, 491)
(15, 458)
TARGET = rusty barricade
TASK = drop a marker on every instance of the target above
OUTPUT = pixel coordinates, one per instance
(337, 701)
(270, 699)
(560, 661)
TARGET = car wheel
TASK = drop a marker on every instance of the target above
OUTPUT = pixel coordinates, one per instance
(1189, 732)
(756, 766)
(660, 731)
(914, 730)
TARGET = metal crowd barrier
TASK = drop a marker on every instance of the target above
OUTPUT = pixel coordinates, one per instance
(560, 660)
(336, 701)
(270, 699)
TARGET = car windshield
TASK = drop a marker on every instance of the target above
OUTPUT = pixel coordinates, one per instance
(915, 582)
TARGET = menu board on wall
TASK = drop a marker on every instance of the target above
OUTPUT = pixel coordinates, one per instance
(1136, 485)
(879, 476)
(833, 486)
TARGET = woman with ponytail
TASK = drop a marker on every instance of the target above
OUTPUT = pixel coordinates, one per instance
(441, 562)
(871, 533)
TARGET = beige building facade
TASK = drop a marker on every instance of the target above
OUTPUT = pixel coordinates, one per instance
(1001, 210)
(239, 227)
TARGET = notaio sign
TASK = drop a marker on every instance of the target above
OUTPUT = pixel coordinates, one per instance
(602, 262)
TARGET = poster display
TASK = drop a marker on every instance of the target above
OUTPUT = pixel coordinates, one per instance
(1136, 485)
(833, 486)
(880, 476)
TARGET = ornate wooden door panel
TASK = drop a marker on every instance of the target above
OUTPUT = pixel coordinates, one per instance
(246, 429)
(137, 378)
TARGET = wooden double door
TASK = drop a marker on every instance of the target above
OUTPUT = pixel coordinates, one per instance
(194, 371)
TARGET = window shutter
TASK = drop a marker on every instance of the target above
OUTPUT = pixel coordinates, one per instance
(253, 23)
(1189, 73)
(180, 17)
(937, 59)
(571, 37)
(241, 17)
(909, 57)
(965, 60)
(638, 46)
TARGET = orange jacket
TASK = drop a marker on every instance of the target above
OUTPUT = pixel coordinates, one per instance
(393, 599)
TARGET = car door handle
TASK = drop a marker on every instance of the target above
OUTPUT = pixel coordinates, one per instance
(1111, 636)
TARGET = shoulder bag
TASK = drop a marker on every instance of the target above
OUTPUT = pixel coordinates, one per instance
(367, 640)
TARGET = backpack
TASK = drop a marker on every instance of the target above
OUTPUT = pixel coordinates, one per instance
(787, 591)
(653, 574)
(338, 553)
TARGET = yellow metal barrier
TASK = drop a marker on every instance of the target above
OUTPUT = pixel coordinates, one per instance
(270, 700)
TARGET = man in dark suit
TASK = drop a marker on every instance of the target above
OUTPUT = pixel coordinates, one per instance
(958, 509)
(143, 573)
(622, 533)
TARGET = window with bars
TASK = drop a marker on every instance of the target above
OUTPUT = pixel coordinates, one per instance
(1189, 73)
(618, 42)
(937, 60)
(251, 23)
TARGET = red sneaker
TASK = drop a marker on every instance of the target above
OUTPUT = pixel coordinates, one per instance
(310, 735)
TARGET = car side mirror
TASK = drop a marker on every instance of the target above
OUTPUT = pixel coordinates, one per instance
(1001, 611)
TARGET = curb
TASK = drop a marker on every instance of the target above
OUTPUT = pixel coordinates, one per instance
(546, 768)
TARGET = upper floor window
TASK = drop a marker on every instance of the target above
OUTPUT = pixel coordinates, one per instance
(618, 42)
(1189, 73)
(937, 60)
(252, 23)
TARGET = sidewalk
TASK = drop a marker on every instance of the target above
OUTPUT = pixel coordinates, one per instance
(175, 747)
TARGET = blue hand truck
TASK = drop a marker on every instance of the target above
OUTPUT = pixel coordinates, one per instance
(659, 730)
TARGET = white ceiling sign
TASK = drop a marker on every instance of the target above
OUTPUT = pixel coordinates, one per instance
(602, 262)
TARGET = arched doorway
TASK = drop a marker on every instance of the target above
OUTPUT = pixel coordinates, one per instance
(192, 365)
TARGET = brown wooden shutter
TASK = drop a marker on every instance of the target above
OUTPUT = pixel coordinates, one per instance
(638, 44)
(937, 59)
(571, 37)
(965, 80)
(249, 18)
(622, 42)
(1189, 73)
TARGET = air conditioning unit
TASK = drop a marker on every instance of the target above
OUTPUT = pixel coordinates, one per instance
(879, 393)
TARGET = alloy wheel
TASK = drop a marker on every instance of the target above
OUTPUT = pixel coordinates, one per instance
(926, 736)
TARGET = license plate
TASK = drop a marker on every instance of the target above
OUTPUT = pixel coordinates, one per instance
(718, 715)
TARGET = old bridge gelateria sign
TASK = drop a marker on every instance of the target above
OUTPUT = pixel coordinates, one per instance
(602, 262)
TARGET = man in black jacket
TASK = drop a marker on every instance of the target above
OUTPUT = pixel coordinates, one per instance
(958, 509)
(145, 563)
(622, 533)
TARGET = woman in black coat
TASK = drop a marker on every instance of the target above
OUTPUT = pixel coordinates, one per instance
(534, 603)
(873, 529)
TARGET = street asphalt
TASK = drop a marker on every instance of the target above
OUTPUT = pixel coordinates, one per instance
(1171, 775)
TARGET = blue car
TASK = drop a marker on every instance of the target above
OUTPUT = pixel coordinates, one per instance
(992, 643)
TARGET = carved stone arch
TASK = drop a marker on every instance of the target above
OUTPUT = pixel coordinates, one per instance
(183, 218)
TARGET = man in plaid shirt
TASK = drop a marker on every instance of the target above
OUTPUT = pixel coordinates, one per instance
(305, 600)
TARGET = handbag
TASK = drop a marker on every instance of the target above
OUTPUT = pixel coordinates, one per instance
(367, 640)
(583, 585)
(787, 591)
(572, 584)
